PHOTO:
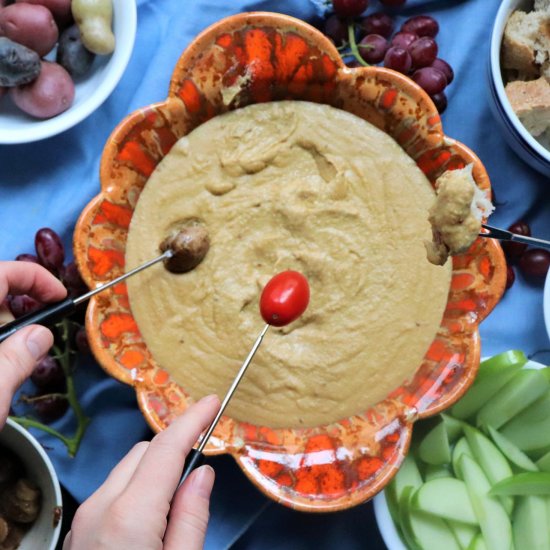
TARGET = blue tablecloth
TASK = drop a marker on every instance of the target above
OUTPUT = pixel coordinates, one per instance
(49, 182)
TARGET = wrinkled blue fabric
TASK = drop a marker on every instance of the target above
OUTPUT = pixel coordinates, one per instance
(49, 182)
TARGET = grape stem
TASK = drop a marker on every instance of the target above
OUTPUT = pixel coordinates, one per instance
(35, 398)
(353, 45)
(72, 443)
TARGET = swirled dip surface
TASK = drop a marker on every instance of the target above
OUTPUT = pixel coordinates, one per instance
(290, 185)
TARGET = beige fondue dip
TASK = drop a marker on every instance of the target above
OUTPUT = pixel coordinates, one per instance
(290, 185)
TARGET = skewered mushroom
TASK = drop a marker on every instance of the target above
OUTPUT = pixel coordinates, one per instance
(189, 247)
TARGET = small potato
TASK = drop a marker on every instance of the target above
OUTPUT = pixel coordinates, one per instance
(30, 25)
(18, 64)
(61, 10)
(71, 53)
(50, 94)
(94, 19)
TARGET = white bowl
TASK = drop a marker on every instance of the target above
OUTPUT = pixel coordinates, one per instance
(521, 141)
(385, 523)
(44, 532)
(91, 90)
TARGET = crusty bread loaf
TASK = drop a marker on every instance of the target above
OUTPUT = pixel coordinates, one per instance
(526, 42)
(531, 103)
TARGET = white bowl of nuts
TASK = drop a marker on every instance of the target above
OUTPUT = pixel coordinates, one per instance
(519, 78)
(30, 496)
(50, 79)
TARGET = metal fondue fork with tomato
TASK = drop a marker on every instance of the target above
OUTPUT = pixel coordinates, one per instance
(284, 298)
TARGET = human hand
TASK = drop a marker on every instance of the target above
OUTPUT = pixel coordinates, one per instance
(140, 504)
(21, 352)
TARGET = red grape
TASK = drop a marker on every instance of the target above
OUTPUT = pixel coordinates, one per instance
(392, 3)
(535, 262)
(22, 304)
(49, 249)
(72, 280)
(403, 39)
(50, 408)
(336, 29)
(423, 52)
(378, 23)
(422, 25)
(510, 276)
(81, 340)
(514, 251)
(398, 59)
(349, 8)
(48, 375)
(445, 68)
(27, 258)
(430, 79)
(373, 48)
(440, 102)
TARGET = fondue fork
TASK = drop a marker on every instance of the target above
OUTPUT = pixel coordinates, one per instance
(195, 458)
(53, 312)
(503, 235)
(284, 298)
(181, 252)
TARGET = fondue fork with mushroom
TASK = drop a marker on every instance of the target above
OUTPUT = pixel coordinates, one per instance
(181, 253)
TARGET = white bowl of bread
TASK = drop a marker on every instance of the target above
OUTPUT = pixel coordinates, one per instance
(520, 78)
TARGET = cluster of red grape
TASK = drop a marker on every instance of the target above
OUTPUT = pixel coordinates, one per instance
(532, 262)
(49, 402)
(370, 40)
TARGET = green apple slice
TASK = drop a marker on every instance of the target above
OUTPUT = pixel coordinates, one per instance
(513, 453)
(530, 524)
(446, 498)
(463, 533)
(524, 484)
(491, 460)
(435, 472)
(423, 531)
(478, 543)
(461, 447)
(404, 519)
(525, 387)
(493, 519)
(434, 446)
(408, 475)
(481, 391)
(453, 427)
(543, 463)
(501, 363)
(530, 430)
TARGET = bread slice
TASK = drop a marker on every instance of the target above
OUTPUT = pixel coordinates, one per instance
(531, 102)
(542, 39)
(526, 42)
(518, 46)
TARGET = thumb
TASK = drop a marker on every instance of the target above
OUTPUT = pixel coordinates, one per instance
(189, 511)
(19, 354)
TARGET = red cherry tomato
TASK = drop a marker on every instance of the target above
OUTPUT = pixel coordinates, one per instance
(284, 298)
